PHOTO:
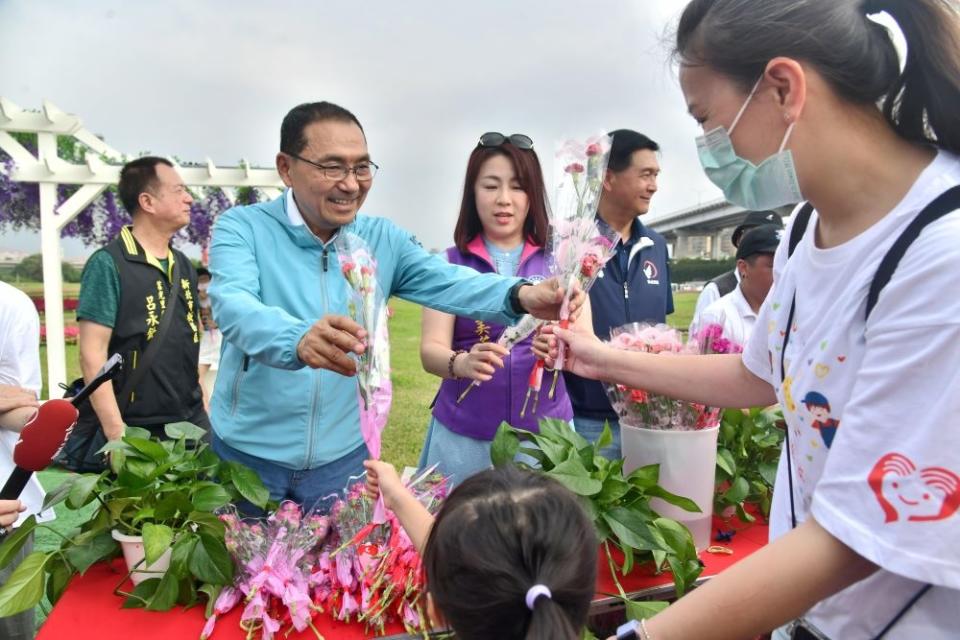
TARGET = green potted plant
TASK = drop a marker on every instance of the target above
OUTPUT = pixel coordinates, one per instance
(618, 505)
(748, 450)
(167, 493)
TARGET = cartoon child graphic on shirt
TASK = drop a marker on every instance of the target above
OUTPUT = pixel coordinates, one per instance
(819, 407)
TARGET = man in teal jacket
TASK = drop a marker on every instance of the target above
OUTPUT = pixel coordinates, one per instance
(285, 403)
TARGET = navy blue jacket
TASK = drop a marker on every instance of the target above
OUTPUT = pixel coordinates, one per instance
(643, 294)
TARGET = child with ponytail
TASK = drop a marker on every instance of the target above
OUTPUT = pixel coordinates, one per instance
(510, 555)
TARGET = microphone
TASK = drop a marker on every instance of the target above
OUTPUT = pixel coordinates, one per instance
(47, 431)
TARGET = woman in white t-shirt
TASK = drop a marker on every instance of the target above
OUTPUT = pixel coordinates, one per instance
(786, 91)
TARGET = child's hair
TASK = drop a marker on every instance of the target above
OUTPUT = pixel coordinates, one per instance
(499, 533)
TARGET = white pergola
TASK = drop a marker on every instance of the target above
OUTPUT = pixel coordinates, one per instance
(93, 177)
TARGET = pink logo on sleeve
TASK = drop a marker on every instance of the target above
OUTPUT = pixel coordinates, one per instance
(918, 495)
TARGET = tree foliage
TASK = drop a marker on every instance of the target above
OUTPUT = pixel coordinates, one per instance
(102, 220)
(31, 269)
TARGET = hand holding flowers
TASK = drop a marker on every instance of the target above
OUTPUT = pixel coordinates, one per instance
(368, 307)
(585, 354)
(638, 408)
(578, 248)
(328, 342)
(481, 362)
(383, 479)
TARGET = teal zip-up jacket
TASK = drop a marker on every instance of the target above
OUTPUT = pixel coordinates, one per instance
(271, 281)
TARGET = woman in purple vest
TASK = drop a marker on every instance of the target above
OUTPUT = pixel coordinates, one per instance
(502, 228)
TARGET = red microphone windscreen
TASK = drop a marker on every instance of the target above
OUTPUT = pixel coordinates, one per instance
(45, 434)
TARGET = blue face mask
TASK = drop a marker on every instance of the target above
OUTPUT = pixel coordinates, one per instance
(770, 185)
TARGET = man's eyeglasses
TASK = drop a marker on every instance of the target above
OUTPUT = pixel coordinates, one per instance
(494, 139)
(363, 171)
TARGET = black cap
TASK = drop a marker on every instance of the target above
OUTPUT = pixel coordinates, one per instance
(755, 219)
(762, 239)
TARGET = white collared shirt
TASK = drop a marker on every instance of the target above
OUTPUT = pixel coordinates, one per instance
(293, 211)
(709, 295)
(733, 313)
(296, 218)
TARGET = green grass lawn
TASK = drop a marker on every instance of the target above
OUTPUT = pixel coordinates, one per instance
(684, 303)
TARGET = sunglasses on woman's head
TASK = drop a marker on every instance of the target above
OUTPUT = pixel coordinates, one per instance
(494, 139)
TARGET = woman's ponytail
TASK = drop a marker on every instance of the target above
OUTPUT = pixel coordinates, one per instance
(924, 103)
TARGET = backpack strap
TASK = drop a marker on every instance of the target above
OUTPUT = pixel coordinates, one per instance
(945, 203)
(800, 223)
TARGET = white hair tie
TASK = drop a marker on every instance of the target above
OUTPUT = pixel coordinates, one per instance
(535, 592)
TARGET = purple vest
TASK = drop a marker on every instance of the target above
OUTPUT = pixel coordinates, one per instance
(500, 399)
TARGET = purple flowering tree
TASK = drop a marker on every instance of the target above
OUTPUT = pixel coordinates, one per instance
(102, 220)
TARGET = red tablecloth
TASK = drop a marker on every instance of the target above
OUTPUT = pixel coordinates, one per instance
(88, 610)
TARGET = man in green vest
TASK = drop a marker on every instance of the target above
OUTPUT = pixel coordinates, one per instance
(126, 287)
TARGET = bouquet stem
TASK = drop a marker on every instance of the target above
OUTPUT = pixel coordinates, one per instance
(466, 391)
(533, 387)
(553, 384)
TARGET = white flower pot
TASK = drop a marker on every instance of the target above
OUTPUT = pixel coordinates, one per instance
(687, 460)
(133, 554)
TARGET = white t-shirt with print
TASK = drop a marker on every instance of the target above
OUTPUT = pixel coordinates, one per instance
(874, 412)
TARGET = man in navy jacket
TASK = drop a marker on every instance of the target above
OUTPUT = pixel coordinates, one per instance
(635, 284)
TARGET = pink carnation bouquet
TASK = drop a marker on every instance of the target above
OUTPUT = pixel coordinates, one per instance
(274, 559)
(367, 306)
(294, 566)
(578, 249)
(371, 572)
(711, 339)
(639, 408)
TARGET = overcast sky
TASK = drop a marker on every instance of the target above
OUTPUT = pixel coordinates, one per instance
(199, 79)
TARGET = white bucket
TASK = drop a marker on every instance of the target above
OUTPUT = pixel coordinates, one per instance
(133, 554)
(687, 460)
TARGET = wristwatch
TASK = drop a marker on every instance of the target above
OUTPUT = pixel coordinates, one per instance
(629, 630)
(514, 297)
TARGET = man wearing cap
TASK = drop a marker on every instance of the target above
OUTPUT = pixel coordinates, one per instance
(727, 282)
(737, 311)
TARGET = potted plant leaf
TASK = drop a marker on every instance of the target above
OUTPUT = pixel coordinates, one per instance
(618, 505)
(166, 492)
(748, 450)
